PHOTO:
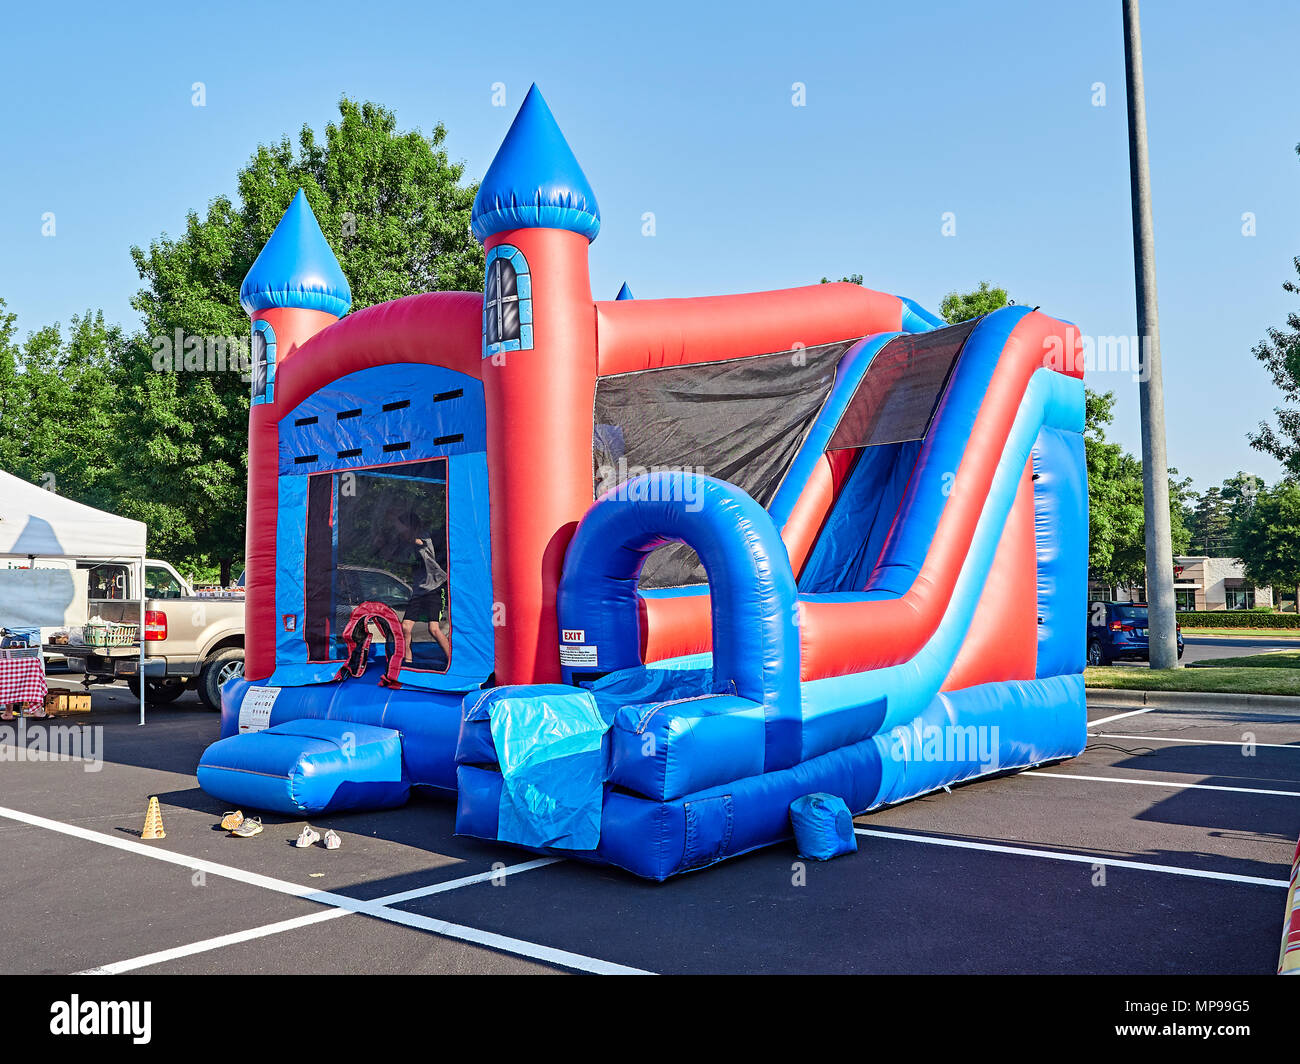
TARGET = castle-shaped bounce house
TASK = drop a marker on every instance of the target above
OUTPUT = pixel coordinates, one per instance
(625, 579)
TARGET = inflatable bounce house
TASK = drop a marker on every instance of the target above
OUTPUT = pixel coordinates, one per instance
(626, 579)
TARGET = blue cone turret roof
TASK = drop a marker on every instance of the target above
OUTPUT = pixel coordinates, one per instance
(297, 268)
(535, 181)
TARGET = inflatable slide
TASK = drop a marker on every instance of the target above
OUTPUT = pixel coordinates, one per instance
(626, 579)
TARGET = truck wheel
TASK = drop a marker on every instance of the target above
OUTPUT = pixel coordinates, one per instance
(160, 692)
(219, 668)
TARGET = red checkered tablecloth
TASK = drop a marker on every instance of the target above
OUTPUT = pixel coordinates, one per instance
(22, 680)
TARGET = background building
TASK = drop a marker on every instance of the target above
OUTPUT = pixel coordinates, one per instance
(1200, 583)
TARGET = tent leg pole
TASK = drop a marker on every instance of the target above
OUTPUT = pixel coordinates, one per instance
(140, 642)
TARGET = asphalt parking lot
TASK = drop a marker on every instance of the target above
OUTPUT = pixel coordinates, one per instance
(1164, 848)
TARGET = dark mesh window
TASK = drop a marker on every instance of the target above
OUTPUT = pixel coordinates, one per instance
(742, 421)
(259, 363)
(501, 302)
(900, 391)
(379, 535)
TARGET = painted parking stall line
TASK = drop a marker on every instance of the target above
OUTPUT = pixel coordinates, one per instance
(1171, 784)
(148, 960)
(504, 943)
(1074, 858)
(1177, 740)
(1121, 716)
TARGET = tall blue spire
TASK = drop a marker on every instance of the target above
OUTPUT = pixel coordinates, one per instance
(624, 292)
(296, 268)
(535, 182)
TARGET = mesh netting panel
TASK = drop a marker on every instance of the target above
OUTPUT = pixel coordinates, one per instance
(378, 536)
(899, 393)
(741, 421)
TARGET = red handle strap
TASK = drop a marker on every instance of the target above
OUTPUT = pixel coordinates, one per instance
(359, 646)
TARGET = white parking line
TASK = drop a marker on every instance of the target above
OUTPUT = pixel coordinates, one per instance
(235, 938)
(504, 943)
(1174, 784)
(1198, 742)
(1075, 858)
(1117, 716)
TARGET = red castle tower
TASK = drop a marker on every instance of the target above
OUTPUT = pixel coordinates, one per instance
(294, 289)
(536, 215)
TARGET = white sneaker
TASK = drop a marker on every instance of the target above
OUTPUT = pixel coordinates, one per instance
(332, 841)
(307, 837)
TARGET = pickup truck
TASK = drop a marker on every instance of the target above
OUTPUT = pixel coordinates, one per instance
(191, 641)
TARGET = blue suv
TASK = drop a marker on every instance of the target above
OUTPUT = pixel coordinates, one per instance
(1118, 630)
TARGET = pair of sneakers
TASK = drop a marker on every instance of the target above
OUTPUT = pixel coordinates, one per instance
(241, 826)
(309, 836)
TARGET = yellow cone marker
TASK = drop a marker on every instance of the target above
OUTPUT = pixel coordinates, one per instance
(153, 826)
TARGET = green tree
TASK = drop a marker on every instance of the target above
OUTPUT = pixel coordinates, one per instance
(12, 408)
(1116, 518)
(962, 306)
(60, 410)
(396, 210)
(1239, 493)
(1210, 524)
(853, 278)
(1269, 538)
(1116, 525)
(1280, 354)
(1215, 516)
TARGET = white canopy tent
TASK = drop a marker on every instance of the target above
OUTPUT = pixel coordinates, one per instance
(36, 523)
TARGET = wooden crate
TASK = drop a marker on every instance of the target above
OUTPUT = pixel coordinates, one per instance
(67, 702)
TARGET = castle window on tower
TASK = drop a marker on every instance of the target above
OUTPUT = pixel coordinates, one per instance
(507, 302)
(263, 362)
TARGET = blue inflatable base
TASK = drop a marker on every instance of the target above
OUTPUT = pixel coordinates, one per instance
(427, 721)
(659, 839)
(1014, 725)
(305, 767)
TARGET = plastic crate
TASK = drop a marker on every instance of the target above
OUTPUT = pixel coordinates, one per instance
(111, 634)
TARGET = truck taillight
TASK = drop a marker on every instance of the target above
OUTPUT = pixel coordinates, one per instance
(155, 625)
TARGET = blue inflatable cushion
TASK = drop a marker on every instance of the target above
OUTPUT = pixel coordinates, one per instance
(666, 750)
(823, 827)
(307, 767)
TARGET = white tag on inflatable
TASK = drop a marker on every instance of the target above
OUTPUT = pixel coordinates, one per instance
(255, 710)
(578, 657)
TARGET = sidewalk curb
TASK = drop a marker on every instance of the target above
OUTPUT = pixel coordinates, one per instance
(1109, 696)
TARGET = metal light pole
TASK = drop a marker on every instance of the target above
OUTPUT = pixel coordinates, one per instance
(1155, 478)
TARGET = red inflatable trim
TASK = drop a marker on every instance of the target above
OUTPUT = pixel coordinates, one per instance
(539, 405)
(1003, 640)
(637, 334)
(845, 637)
(436, 328)
(814, 504)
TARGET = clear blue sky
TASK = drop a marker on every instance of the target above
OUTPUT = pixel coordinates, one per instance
(677, 108)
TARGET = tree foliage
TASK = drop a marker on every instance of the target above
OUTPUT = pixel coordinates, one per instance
(1116, 522)
(60, 421)
(1269, 537)
(1116, 514)
(1280, 354)
(962, 306)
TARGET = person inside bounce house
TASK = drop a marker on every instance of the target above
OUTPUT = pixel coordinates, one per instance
(428, 601)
